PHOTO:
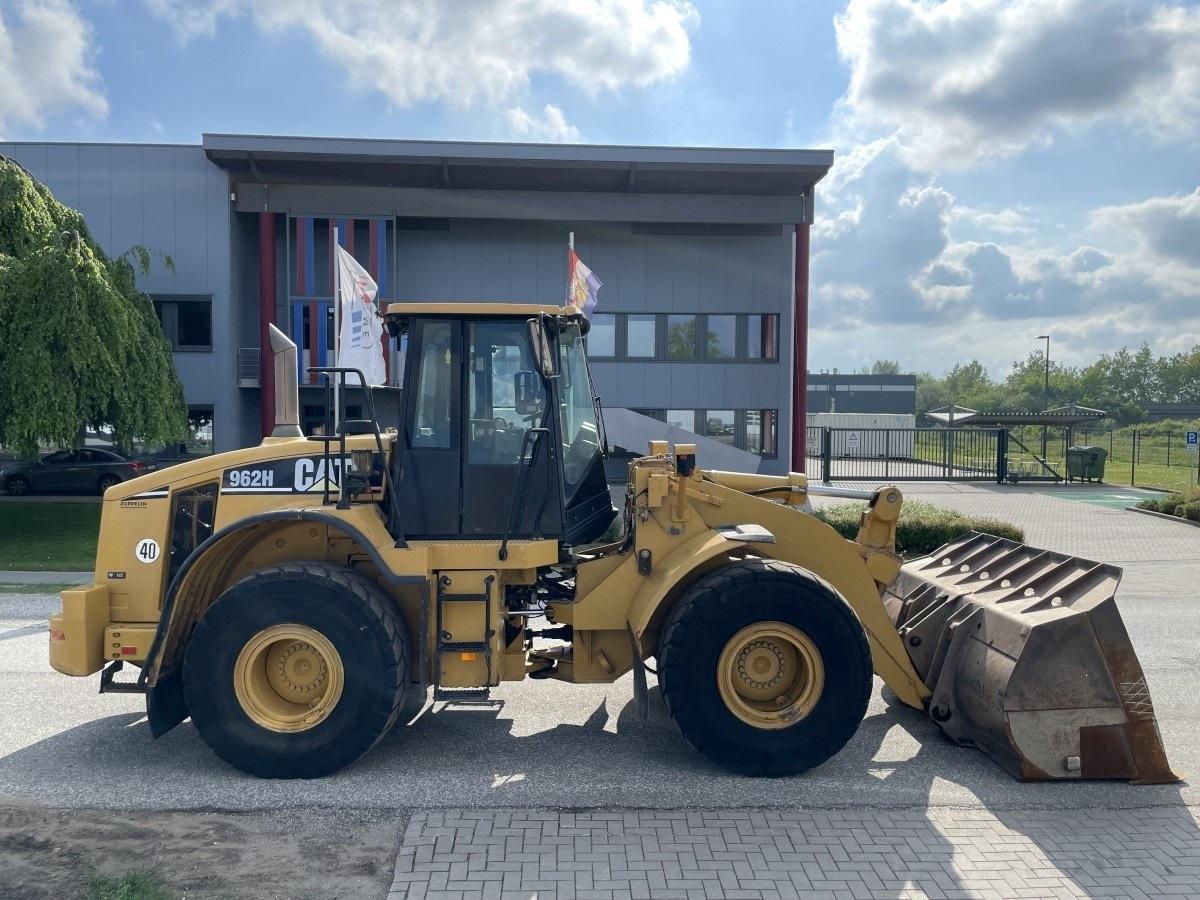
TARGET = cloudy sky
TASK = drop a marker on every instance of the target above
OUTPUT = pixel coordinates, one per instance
(1006, 168)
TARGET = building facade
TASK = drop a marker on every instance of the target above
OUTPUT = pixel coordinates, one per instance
(703, 255)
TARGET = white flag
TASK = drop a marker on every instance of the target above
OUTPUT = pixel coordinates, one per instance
(360, 334)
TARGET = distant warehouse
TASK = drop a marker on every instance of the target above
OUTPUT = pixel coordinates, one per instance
(862, 394)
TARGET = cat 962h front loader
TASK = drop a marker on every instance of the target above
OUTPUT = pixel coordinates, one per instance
(293, 598)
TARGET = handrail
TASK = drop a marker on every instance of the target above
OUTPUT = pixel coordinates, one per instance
(388, 487)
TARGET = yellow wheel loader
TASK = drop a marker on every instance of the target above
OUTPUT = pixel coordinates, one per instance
(295, 597)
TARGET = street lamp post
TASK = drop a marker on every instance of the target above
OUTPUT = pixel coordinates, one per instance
(1045, 391)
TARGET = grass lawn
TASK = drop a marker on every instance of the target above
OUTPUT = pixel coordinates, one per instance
(49, 536)
(55, 587)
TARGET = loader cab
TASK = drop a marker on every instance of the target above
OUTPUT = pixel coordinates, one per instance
(500, 430)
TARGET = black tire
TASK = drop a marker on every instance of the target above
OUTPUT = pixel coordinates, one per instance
(347, 609)
(107, 481)
(716, 608)
(17, 485)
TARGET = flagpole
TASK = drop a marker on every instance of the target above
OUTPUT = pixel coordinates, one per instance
(337, 326)
(570, 274)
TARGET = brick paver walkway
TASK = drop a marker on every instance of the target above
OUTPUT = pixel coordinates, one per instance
(800, 853)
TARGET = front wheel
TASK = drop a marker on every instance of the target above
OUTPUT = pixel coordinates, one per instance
(766, 669)
(17, 485)
(297, 670)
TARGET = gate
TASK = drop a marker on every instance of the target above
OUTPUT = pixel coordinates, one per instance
(907, 454)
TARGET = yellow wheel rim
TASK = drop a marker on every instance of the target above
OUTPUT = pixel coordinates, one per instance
(288, 678)
(770, 675)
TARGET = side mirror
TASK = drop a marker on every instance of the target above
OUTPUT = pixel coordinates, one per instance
(528, 399)
(539, 340)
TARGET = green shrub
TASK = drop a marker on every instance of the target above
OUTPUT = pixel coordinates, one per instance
(922, 527)
(136, 885)
(1176, 504)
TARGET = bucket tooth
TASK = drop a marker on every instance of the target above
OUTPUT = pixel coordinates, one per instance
(1027, 658)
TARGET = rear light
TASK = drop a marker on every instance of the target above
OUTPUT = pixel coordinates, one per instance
(137, 466)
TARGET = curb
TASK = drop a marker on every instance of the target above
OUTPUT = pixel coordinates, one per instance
(1167, 516)
(21, 577)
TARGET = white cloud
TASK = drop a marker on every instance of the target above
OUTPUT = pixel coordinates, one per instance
(911, 273)
(466, 51)
(1163, 239)
(550, 127)
(46, 63)
(965, 80)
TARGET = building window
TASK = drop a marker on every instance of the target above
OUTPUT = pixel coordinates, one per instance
(602, 336)
(721, 342)
(200, 431)
(682, 418)
(761, 437)
(718, 425)
(685, 337)
(186, 321)
(641, 333)
(681, 337)
(762, 337)
(752, 430)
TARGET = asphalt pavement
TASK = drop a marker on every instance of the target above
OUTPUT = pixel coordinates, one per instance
(551, 744)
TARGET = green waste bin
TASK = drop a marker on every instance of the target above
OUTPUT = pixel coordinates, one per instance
(1086, 463)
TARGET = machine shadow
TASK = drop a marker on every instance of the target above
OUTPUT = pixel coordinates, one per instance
(882, 784)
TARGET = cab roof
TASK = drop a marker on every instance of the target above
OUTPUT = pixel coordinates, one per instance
(423, 308)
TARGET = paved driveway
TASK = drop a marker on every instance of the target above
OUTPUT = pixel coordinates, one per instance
(556, 746)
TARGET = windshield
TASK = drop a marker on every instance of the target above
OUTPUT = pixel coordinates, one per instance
(577, 409)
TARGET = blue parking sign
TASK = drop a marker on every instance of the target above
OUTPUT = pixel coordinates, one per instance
(1192, 440)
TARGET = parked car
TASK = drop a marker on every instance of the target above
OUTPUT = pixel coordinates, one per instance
(80, 471)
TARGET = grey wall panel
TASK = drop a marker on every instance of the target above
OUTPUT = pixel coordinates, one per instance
(62, 170)
(685, 273)
(95, 191)
(31, 156)
(127, 207)
(158, 217)
(714, 293)
(439, 268)
(631, 289)
(190, 220)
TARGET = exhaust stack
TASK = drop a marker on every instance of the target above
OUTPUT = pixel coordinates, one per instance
(287, 386)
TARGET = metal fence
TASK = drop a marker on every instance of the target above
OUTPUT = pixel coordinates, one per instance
(1144, 456)
(1147, 456)
(907, 454)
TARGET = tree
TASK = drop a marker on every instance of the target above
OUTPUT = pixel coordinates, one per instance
(80, 345)
(883, 367)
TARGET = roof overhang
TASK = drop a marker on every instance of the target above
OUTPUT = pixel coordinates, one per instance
(266, 171)
(1062, 416)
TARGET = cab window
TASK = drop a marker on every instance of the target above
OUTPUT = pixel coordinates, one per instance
(431, 426)
(499, 358)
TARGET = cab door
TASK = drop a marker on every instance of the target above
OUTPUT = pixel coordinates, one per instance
(429, 478)
(507, 422)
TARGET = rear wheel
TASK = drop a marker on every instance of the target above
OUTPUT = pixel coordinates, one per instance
(765, 668)
(17, 485)
(107, 481)
(297, 670)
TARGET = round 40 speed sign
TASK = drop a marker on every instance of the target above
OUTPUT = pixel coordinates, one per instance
(146, 551)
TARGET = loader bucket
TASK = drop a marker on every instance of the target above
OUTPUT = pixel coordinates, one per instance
(1027, 658)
